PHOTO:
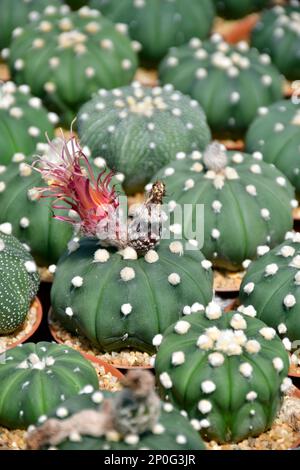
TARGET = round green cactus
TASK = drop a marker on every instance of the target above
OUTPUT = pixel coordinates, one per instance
(23, 122)
(66, 58)
(278, 34)
(247, 202)
(159, 24)
(38, 377)
(227, 371)
(275, 133)
(19, 281)
(230, 82)
(138, 130)
(271, 287)
(234, 9)
(152, 292)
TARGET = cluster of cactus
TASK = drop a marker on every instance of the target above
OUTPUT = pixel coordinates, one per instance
(160, 24)
(39, 377)
(247, 202)
(227, 371)
(23, 122)
(278, 34)
(19, 281)
(270, 289)
(230, 82)
(138, 130)
(133, 418)
(66, 58)
(234, 9)
(275, 133)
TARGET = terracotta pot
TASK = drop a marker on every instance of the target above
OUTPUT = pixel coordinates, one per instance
(294, 372)
(147, 77)
(235, 145)
(232, 306)
(239, 30)
(227, 282)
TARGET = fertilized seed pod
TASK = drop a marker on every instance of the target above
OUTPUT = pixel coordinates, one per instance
(138, 129)
(230, 82)
(271, 286)
(158, 24)
(23, 122)
(66, 58)
(231, 374)
(278, 34)
(276, 134)
(39, 377)
(234, 9)
(247, 202)
(19, 281)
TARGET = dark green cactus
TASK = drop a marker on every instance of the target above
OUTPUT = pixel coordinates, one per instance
(138, 130)
(227, 371)
(278, 34)
(38, 377)
(230, 82)
(247, 202)
(234, 9)
(275, 133)
(271, 287)
(23, 122)
(66, 58)
(160, 24)
(19, 281)
(152, 292)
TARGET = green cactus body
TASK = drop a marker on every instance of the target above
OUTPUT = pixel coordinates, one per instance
(230, 82)
(172, 432)
(19, 281)
(234, 9)
(37, 377)
(159, 24)
(227, 371)
(277, 33)
(138, 130)
(276, 134)
(271, 287)
(23, 122)
(150, 292)
(247, 202)
(66, 58)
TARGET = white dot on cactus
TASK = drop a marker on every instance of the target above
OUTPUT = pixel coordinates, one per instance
(19, 64)
(182, 327)
(256, 169)
(251, 189)
(279, 127)
(206, 264)
(106, 44)
(127, 274)
(246, 369)
(101, 256)
(235, 97)
(189, 184)
(50, 87)
(217, 206)
(97, 397)
(197, 307)
(176, 248)
(286, 385)
(204, 423)
(30, 266)
(5, 53)
(165, 380)
(2, 245)
(204, 406)
(195, 423)
(169, 171)
(16, 112)
(69, 312)
(180, 156)
(205, 342)
(33, 131)
(215, 233)
(111, 129)
(262, 250)
(131, 439)
(157, 340)
(266, 80)
(42, 419)
(178, 358)
(271, 269)
(174, 279)
(181, 439)
(201, 73)
(281, 181)
(2, 169)
(2, 186)
(152, 145)
(238, 322)
(287, 251)
(151, 257)
(90, 72)
(289, 301)
(73, 245)
(265, 213)
(186, 310)
(252, 346)
(249, 310)
(294, 203)
(282, 329)
(249, 288)
(287, 344)
(168, 407)
(251, 396)
(100, 162)
(295, 263)
(208, 386)
(216, 359)
(62, 412)
(197, 167)
(158, 428)
(213, 311)
(77, 281)
(278, 364)
(126, 309)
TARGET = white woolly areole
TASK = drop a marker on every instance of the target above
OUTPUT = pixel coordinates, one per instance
(129, 253)
(282, 329)
(178, 358)
(101, 256)
(253, 346)
(271, 269)
(208, 386)
(287, 344)
(204, 406)
(204, 342)
(6, 228)
(238, 322)
(176, 248)
(289, 301)
(30, 266)
(77, 281)
(69, 312)
(286, 385)
(174, 279)
(297, 278)
(287, 251)
(213, 311)
(126, 309)
(127, 274)
(249, 288)
(182, 327)
(151, 257)
(251, 396)
(157, 340)
(246, 369)
(206, 264)
(215, 157)
(267, 333)
(262, 250)
(204, 423)
(278, 364)
(295, 263)
(216, 359)
(165, 380)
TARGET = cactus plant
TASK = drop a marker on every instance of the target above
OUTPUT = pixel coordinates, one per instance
(277, 33)
(23, 122)
(234, 9)
(133, 418)
(38, 377)
(159, 24)
(138, 130)
(227, 371)
(230, 82)
(66, 58)
(271, 287)
(247, 202)
(275, 133)
(19, 281)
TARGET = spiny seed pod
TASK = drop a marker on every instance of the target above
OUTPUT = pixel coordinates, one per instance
(278, 34)
(230, 82)
(23, 122)
(234, 9)
(271, 288)
(227, 371)
(247, 202)
(153, 291)
(39, 377)
(159, 24)
(19, 281)
(138, 130)
(17, 13)
(75, 55)
(276, 134)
